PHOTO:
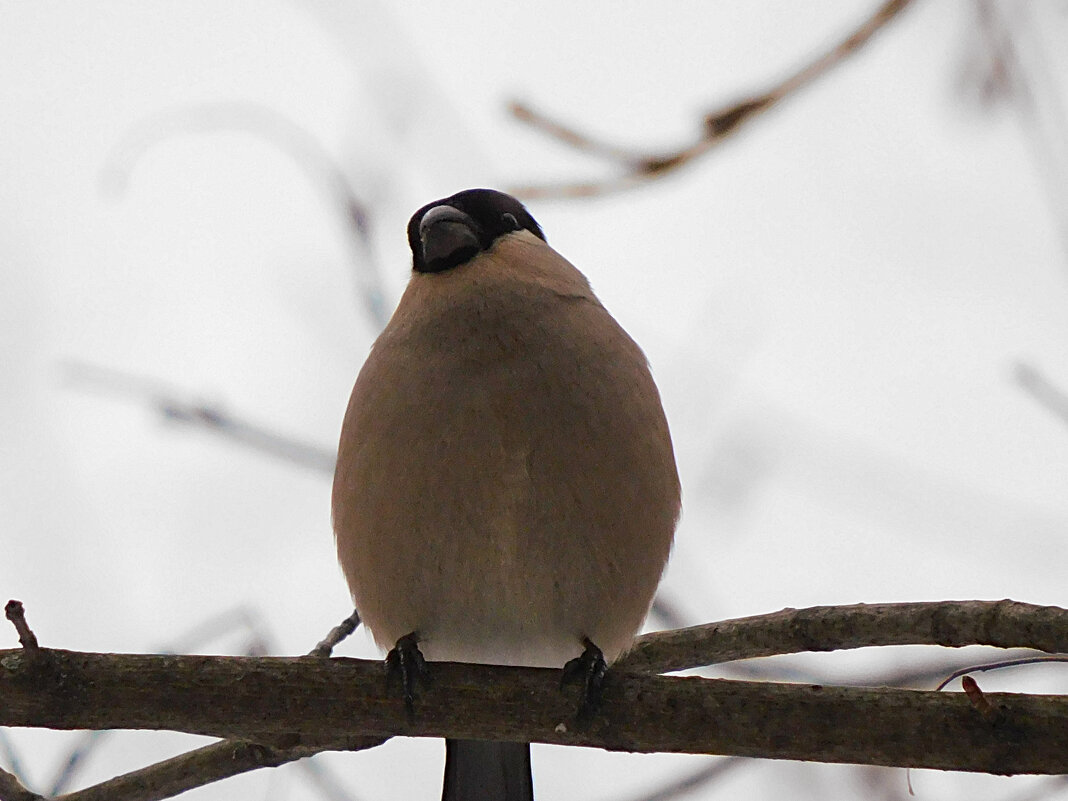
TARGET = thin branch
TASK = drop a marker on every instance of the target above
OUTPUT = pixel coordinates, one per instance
(638, 169)
(9, 756)
(574, 138)
(15, 612)
(1049, 395)
(1019, 73)
(923, 677)
(239, 618)
(327, 785)
(326, 646)
(999, 665)
(978, 699)
(332, 703)
(77, 757)
(170, 403)
(196, 768)
(1006, 624)
(695, 781)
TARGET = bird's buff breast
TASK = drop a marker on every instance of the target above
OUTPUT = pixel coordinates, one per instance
(472, 505)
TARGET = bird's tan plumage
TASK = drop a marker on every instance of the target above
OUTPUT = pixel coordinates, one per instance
(505, 482)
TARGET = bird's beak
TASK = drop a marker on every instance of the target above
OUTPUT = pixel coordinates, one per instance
(447, 236)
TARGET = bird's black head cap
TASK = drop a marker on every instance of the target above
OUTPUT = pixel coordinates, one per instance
(449, 232)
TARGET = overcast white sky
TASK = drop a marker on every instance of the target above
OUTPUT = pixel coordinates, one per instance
(832, 303)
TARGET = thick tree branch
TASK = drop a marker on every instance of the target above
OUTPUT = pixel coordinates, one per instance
(316, 703)
(1005, 624)
(276, 717)
(186, 771)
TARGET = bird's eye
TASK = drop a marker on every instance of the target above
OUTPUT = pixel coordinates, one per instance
(510, 222)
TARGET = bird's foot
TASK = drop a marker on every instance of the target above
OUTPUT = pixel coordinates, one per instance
(405, 662)
(589, 668)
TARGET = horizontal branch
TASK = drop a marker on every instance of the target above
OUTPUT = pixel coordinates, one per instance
(325, 703)
(1005, 624)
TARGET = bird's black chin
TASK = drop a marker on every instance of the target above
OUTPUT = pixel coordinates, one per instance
(448, 238)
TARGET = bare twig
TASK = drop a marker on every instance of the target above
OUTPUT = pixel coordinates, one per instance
(245, 619)
(1006, 624)
(572, 138)
(1017, 71)
(77, 757)
(1001, 664)
(638, 169)
(170, 403)
(979, 700)
(919, 677)
(342, 630)
(696, 780)
(15, 612)
(327, 785)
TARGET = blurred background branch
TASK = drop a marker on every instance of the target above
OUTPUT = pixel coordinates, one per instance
(638, 169)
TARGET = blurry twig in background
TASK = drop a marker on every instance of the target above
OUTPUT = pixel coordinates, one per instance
(1045, 788)
(639, 168)
(170, 403)
(1032, 380)
(242, 619)
(1007, 63)
(291, 139)
(667, 612)
(680, 788)
(11, 789)
(9, 756)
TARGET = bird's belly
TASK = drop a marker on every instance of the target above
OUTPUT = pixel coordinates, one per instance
(500, 584)
(515, 568)
(503, 515)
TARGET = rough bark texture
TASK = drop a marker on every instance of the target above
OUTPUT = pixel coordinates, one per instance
(325, 703)
(1006, 624)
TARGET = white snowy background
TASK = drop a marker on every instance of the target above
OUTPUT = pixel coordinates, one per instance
(833, 303)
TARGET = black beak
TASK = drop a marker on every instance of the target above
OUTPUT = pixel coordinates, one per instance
(448, 237)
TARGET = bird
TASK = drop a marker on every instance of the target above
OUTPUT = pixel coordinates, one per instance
(506, 489)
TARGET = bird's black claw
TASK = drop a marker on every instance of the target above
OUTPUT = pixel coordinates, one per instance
(589, 668)
(405, 662)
